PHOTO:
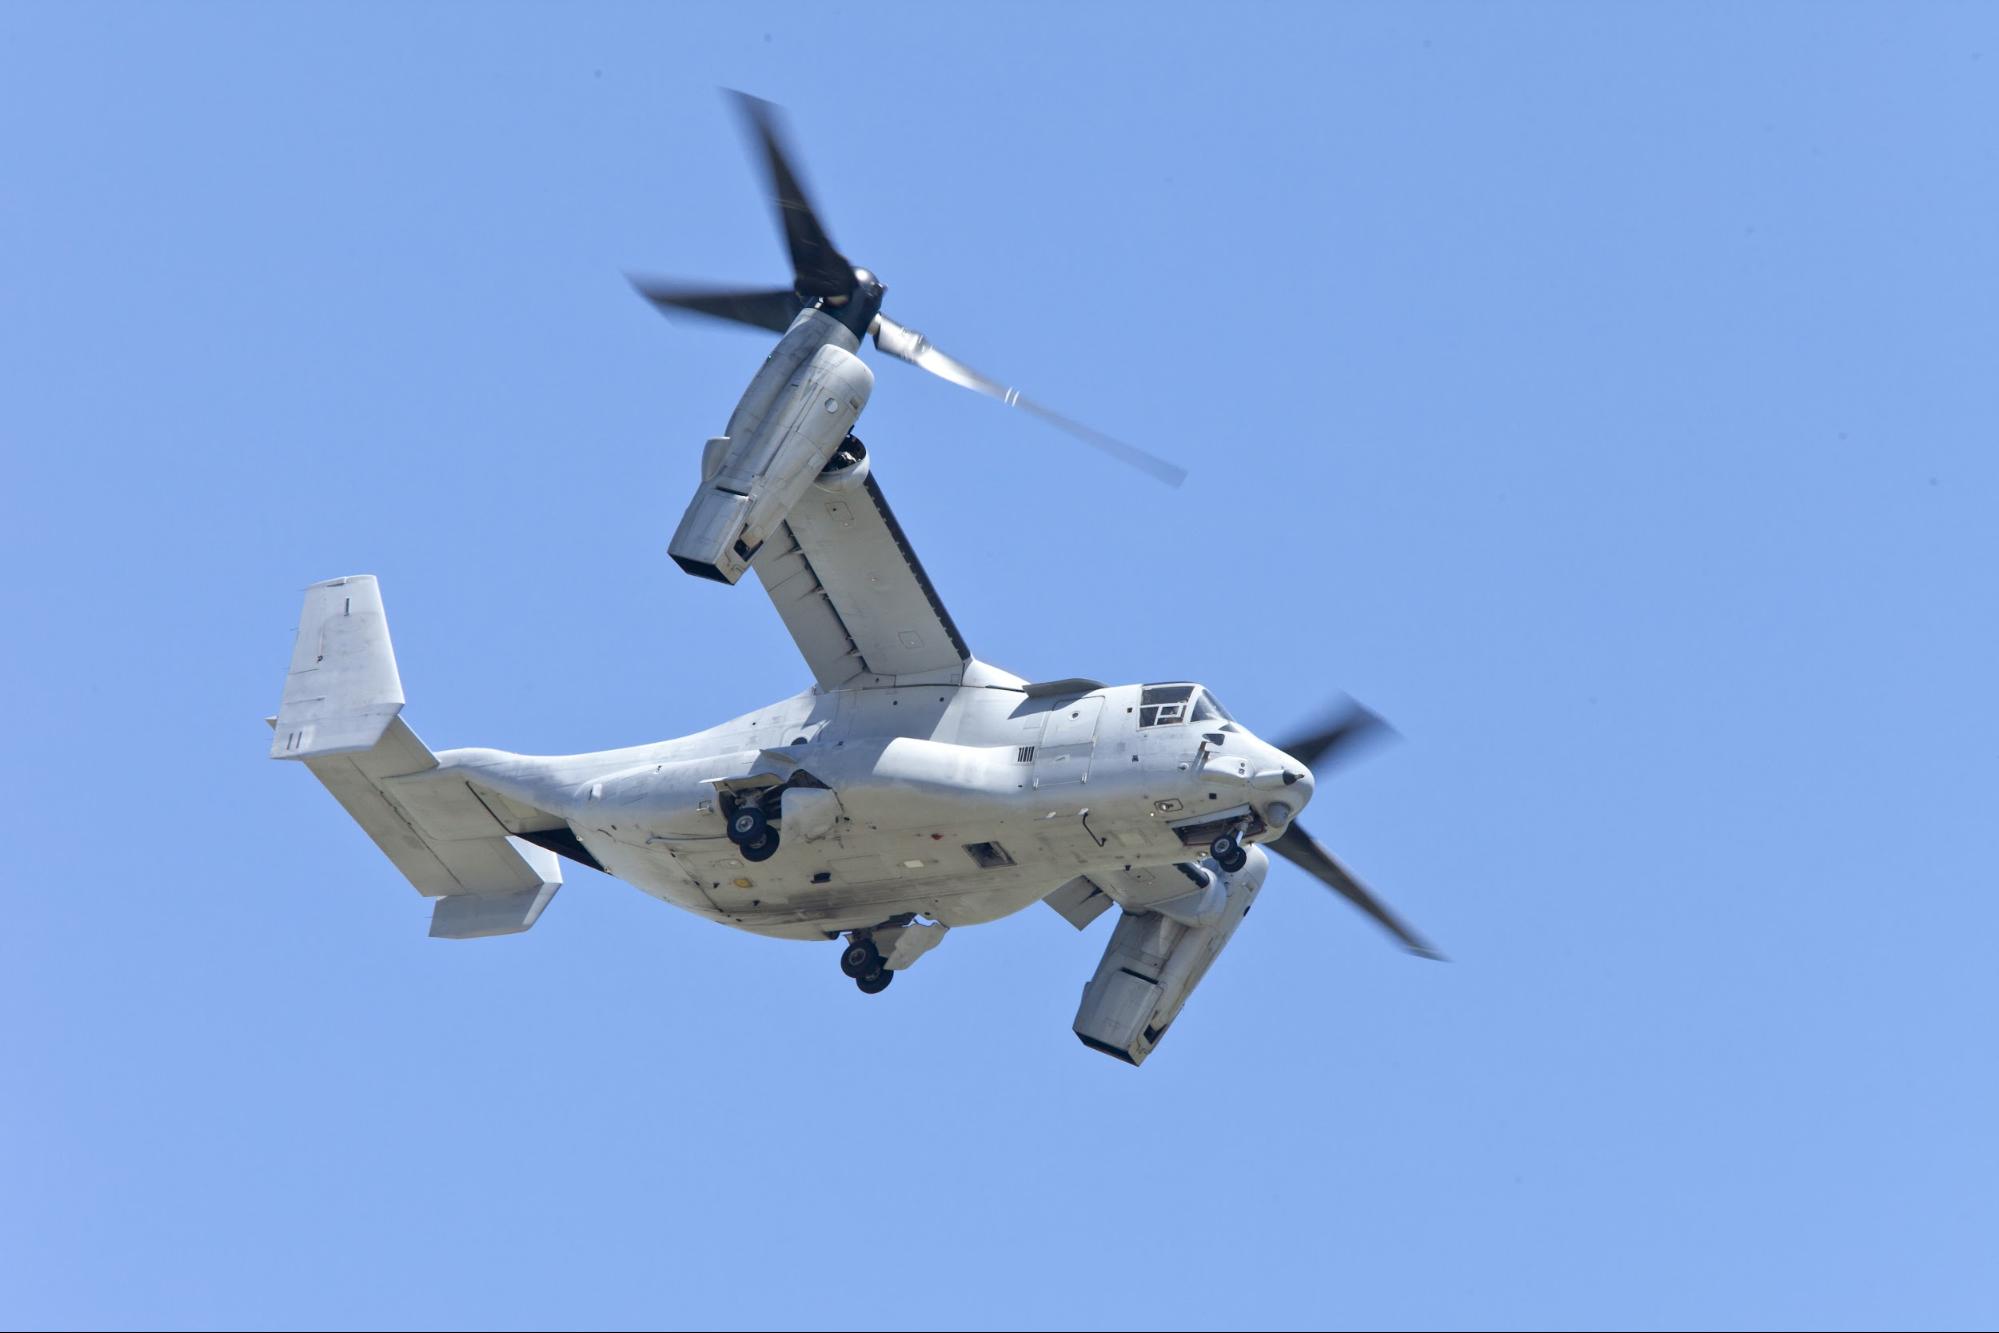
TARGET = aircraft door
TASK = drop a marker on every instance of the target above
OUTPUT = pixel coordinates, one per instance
(1068, 735)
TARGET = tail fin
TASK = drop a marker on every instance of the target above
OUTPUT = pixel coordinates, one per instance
(341, 716)
(343, 690)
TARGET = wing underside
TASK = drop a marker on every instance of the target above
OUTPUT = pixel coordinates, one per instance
(853, 594)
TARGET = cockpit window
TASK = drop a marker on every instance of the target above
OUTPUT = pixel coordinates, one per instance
(1207, 708)
(1164, 705)
(1170, 705)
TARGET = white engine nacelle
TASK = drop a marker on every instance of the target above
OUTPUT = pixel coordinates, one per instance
(798, 409)
(1154, 961)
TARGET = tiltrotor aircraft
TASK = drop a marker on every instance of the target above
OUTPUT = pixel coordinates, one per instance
(912, 789)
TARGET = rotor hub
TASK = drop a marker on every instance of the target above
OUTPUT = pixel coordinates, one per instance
(862, 302)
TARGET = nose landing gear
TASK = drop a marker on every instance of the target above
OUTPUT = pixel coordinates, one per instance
(1227, 851)
(862, 961)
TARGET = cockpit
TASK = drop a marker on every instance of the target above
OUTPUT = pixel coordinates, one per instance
(1171, 705)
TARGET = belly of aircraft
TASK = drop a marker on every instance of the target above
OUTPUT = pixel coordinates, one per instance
(820, 889)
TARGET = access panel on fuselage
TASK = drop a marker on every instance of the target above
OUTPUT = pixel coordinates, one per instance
(1068, 736)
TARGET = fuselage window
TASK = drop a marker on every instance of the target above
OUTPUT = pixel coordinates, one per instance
(1164, 705)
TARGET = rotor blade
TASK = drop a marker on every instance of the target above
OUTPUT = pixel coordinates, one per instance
(908, 345)
(1304, 851)
(818, 266)
(763, 310)
(1357, 725)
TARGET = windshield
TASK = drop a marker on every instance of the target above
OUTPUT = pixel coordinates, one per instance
(1170, 705)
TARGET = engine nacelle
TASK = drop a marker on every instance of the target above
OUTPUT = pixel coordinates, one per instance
(1154, 961)
(798, 409)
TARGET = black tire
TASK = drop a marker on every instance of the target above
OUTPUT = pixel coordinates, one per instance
(860, 958)
(1231, 864)
(874, 983)
(1224, 847)
(749, 824)
(763, 850)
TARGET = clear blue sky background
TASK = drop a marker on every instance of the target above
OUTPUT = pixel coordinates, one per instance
(1604, 393)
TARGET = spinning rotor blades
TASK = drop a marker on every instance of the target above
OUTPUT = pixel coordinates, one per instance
(1303, 850)
(908, 345)
(817, 265)
(823, 278)
(763, 310)
(1335, 741)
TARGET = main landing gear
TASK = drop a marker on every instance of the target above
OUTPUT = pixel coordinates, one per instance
(1227, 851)
(863, 962)
(750, 830)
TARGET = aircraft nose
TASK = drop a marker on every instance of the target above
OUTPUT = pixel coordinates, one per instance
(1283, 784)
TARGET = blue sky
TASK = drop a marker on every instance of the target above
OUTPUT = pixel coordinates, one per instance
(1603, 393)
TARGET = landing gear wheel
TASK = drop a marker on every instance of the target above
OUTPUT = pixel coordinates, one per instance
(748, 825)
(860, 958)
(761, 850)
(874, 983)
(1228, 853)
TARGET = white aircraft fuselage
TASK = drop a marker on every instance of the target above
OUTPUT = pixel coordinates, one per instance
(959, 802)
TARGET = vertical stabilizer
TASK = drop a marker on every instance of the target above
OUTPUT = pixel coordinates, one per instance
(343, 689)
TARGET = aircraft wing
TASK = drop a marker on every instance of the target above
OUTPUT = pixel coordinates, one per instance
(853, 594)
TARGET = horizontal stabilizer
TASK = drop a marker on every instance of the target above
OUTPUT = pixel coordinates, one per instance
(476, 916)
(437, 830)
